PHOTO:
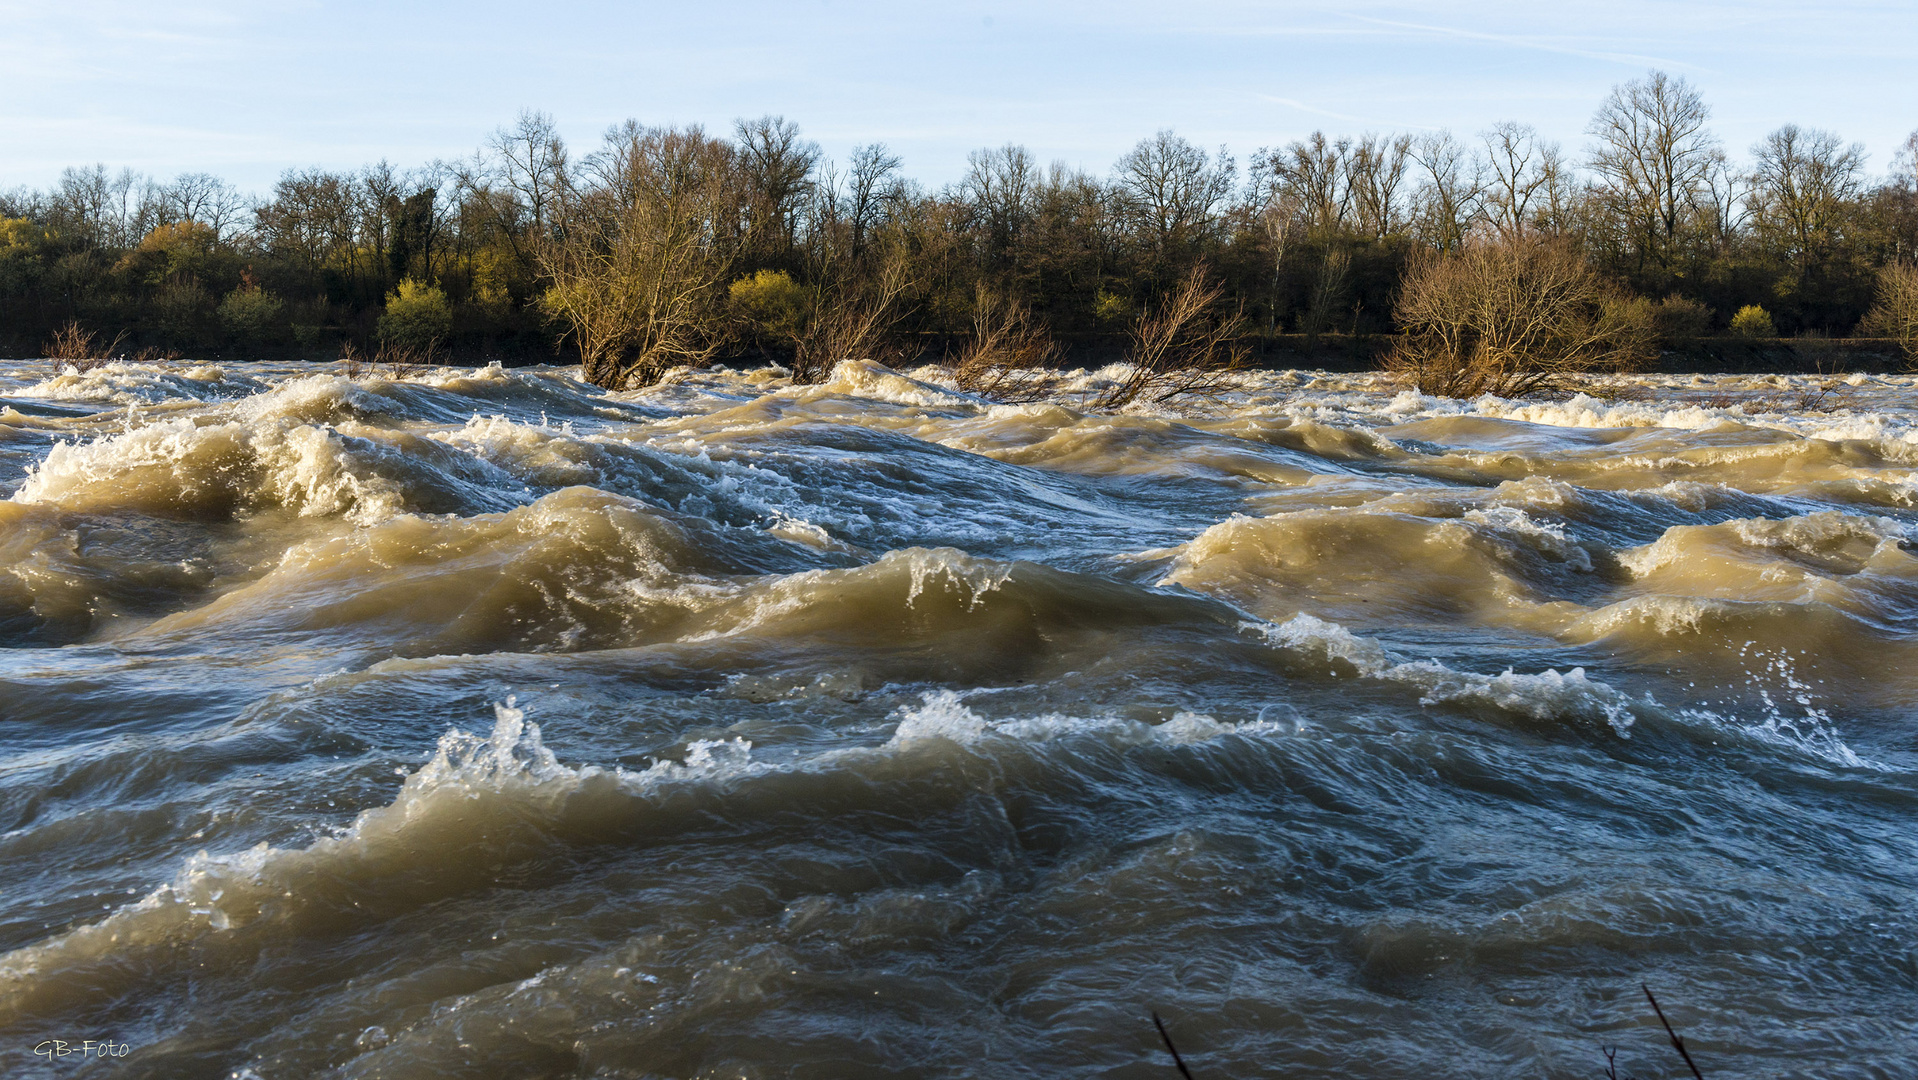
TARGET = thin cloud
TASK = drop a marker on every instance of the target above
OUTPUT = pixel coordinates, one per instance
(1518, 42)
(1369, 121)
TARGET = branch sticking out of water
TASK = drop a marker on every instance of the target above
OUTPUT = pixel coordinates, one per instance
(1611, 1064)
(1677, 1043)
(1174, 1051)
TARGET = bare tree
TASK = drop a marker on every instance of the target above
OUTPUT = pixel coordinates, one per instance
(1375, 173)
(1519, 172)
(1510, 317)
(379, 193)
(1895, 315)
(1312, 174)
(514, 182)
(204, 198)
(1653, 158)
(1555, 204)
(999, 185)
(103, 209)
(1276, 209)
(777, 167)
(1328, 293)
(1898, 201)
(1804, 186)
(1172, 190)
(867, 191)
(311, 220)
(1451, 189)
(530, 161)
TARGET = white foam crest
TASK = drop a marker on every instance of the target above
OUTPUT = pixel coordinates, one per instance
(141, 384)
(179, 464)
(1666, 615)
(1547, 695)
(1081, 381)
(1536, 493)
(737, 489)
(1808, 532)
(1551, 694)
(1515, 524)
(944, 716)
(494, 372)
(1584, 411)
(869, 379)
(541, 454)
(974, 578)
(1812, 730)
(800, 531)
(313, 399)
(1806, 535)
(508, 782)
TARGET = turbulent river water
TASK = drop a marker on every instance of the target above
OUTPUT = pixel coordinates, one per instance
(480, 723)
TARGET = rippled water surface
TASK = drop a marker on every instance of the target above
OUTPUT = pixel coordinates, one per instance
(484, 724)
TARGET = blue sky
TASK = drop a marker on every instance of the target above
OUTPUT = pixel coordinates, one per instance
(246, 90)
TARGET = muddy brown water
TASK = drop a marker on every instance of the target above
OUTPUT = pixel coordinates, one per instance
(484, 724)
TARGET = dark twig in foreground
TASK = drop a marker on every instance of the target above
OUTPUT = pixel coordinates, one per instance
(1174, 1051)
(1611, 1064)
(1677, 1043)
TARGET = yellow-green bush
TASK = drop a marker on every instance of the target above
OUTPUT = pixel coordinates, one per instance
(417, 316)
(1110, 307)
(771, 303)
(1753, 321)
(249, 313)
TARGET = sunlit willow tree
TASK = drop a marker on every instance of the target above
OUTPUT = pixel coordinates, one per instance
(628, 257)
(643, 234)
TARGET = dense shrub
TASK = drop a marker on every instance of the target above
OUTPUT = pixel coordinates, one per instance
(1512, 316)
(417, 316)
(1752, 321)
(771, 305)
(249, 313)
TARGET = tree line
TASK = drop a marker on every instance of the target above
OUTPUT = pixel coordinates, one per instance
(670, 245)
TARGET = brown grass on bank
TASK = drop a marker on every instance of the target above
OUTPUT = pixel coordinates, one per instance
(1191, 344)
(79, 348)
(1511, 317)
(1009, 351)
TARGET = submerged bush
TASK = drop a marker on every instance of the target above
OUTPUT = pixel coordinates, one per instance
(1510, 317)
(1190, 342)
(1008, 347)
